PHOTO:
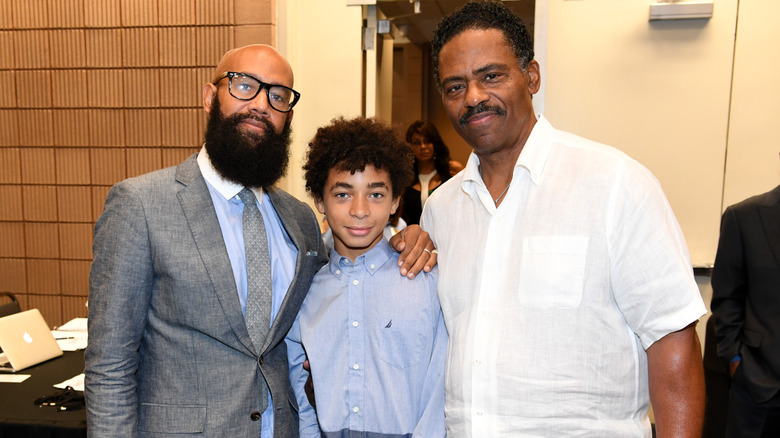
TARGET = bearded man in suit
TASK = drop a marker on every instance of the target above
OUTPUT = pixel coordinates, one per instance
(170, 349)
(746, 308)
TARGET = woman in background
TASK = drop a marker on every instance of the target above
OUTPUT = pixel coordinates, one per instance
(432, 167)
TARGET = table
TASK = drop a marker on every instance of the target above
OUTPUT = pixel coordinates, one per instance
(20, 417)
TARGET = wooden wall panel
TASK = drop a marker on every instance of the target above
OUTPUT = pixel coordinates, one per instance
(97, 91)
(40, 203)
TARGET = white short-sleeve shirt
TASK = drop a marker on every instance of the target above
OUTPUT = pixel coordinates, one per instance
(551, 299)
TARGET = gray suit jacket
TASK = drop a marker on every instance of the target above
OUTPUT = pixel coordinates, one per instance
(169, 351)
(746, 292)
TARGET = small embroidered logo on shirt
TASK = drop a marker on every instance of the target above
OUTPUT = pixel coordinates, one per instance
(389, 324)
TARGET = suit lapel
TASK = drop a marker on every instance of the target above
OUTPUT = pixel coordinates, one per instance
(198, 208)
(292, 298)
(769, 211)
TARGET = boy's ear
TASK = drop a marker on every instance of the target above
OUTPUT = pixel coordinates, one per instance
(320, 205)
(396, 202)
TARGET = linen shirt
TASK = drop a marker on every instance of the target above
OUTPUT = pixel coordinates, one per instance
(376, 342)
(552, 298)
(283, 253)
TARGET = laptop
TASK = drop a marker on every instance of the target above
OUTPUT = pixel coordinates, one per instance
(26, 340)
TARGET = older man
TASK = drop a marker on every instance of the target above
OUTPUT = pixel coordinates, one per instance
(572, 305)
(199, 272)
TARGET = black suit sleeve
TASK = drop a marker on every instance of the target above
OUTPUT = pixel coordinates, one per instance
(729, 286)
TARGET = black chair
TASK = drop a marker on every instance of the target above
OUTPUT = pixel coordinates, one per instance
(9, 308)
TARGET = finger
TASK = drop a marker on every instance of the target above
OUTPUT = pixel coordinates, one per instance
(418, 256)
(432, 261)
(409, 238)
(397, 241)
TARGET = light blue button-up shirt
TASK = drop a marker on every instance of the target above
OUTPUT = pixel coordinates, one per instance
(376, 342)
(283, 252)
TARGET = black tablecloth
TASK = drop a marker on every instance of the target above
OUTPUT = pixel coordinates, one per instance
(21, 417)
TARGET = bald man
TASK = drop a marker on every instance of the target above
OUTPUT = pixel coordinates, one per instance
(169, 349)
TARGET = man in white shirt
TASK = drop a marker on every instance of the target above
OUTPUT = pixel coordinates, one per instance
(572, 305)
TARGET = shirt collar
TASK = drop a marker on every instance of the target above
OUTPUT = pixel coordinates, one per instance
(532, 158)
(226, 188)
(372, 260)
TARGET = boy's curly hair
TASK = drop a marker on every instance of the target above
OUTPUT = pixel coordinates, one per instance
(351, 145)
(483, 14)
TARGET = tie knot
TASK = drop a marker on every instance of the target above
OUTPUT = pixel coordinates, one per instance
(247, 196)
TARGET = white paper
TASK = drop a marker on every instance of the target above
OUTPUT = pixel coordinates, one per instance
(72, 335)
(13, 378)
(74, 325)
(70, 341)
(76, 383)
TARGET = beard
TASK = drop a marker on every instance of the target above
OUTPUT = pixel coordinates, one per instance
(248, 159)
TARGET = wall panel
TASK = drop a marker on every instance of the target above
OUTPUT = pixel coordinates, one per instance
(96, 91)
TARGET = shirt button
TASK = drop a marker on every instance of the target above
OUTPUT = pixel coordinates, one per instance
(354, 323)
(338, 271)
(355, 282)
(356, 409)
(479, 413)
(254, 416)
(478, 362)
(356, 366)
(372, 266)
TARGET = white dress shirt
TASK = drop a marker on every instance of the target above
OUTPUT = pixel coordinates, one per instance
(551, 299)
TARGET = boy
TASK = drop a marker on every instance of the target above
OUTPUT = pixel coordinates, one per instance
(375, 340)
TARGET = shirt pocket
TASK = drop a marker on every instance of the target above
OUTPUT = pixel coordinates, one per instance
(552, 271)
(400, 342)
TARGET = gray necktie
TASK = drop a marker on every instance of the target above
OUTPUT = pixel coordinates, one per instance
(258, 271)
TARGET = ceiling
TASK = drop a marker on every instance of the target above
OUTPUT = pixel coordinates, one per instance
(418, 28)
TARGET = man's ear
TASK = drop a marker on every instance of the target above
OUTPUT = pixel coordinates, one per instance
(320, 205)
(290, 116)
(532, 71)
(396, 202)
(209, 94)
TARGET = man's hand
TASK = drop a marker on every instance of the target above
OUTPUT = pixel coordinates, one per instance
(677, 384)
(416, 248)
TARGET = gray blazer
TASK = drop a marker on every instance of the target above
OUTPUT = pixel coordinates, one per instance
(169, 351)
(746, 292)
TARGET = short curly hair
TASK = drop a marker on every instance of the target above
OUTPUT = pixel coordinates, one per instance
(351, 145)
(483, 14)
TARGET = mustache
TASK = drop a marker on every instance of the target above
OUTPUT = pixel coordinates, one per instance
(239, 117)
(481, 108)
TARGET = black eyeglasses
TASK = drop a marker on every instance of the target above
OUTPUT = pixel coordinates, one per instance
(245, 87)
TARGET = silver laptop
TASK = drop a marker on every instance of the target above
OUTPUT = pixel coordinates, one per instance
(26, 340)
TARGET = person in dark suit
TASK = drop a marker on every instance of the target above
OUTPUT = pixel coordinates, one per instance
(170, 352)
(746, 308)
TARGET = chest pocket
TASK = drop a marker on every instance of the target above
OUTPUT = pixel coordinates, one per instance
(552, 271)
(401, 343)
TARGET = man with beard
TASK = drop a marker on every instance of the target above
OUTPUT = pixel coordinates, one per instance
(572, 304)
(199, 271)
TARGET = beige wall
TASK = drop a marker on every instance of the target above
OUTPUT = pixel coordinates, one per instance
(95, 91)
(659, 91)
(752, 164)
(322, 41)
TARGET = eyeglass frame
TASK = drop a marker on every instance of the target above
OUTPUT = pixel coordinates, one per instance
(263, 86)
